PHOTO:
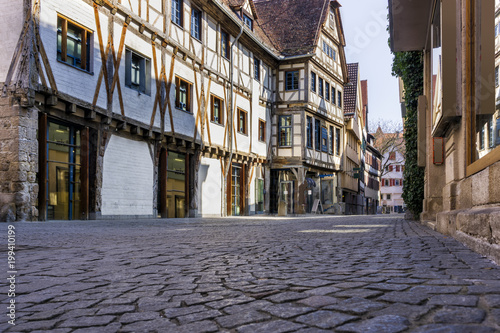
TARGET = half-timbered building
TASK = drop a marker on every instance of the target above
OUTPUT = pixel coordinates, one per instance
(307, 122)
(150, 108)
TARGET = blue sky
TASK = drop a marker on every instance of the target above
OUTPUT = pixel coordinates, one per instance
(365, 23)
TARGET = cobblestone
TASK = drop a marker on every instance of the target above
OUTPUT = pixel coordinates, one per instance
(251, 274)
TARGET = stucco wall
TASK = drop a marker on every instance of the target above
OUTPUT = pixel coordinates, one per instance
(127, 187)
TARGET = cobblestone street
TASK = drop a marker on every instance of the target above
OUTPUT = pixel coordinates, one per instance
(253, 274)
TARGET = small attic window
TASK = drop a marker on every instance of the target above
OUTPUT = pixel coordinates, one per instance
(248, 21)
(332, 18)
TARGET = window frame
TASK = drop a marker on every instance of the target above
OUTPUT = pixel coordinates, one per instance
(294, 82)
(86, 55)
(313, 82)
(247, 20)
(144, 72)
(256, 69)
(334, 91)
(331, 140)
(262, 130)
(242, 129)
(339, 99)
(309, 132)
(220, 120)
(287, 128)
(327, 91)
(337, 141)
(188, 104)
(321, 88)
(177, 16)
(197, 31)
(317, 134)
(324, 139)
(224, 44)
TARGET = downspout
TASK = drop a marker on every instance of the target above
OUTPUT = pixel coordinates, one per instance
(231, 122)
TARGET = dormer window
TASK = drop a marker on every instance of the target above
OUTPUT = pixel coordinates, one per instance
(248, 21)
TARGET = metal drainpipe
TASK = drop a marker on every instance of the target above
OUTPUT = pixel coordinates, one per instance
(231, 123)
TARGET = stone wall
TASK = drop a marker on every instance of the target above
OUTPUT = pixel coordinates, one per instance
(476, 221)
(18, 161)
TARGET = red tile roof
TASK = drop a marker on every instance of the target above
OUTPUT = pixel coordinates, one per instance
(292, 25)
(350, 95)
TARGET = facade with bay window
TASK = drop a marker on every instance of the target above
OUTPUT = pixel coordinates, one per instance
(458, 114)
(307, 121)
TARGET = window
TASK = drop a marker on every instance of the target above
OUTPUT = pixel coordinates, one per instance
(332, 139)
(256, 68)
(292, 80)
(217, 107)
(330, 52)
(318, 134)
(73, 44)
(333, 95)
(392, 155)
(339, 99)
(242, 121)
(491, 132)
(138, 72)
(396, 182)
(313, 81)
(327, 91)
(332, 19)
(337, 141)
(262, 130)
(177, 12)
(398, 168)
(182, 94)
(324, 139)
(320, 87)
(481, 138)
(309, 138)
(285, 131)
(496, 76)
(386, 182)
(224, 44)
(248, 21)
(388, 197)
(497, 29)
(196, 23)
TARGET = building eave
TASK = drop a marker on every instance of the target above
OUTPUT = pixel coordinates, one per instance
(408, 24)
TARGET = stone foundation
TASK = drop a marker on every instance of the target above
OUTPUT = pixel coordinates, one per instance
(18, 161)
(476, 222)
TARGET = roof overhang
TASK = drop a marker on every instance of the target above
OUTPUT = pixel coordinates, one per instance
(408, 24)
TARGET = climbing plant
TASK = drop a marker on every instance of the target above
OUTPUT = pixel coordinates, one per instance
(409, 67)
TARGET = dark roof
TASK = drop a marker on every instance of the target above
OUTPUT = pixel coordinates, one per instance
(257, 30)
(292, 25)
(350, 90)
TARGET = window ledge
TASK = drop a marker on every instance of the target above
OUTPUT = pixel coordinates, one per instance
(185, 111)
(77, 68)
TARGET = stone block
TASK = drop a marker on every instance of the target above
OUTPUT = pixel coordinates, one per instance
(494, 175)
(475, 223)
(465, 194)
(446, 222)
(480, 188)
(495, 226)
(450, 197)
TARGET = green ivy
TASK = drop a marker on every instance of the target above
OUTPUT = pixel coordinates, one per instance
(409, 67)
